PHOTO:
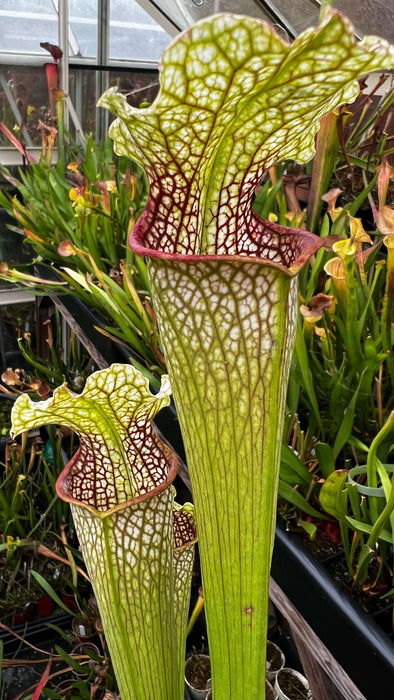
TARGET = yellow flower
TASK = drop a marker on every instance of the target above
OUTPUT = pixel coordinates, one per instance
(335, 270)
(321, 332)
(73, 166)
(389, 241)
(111, 186)
(296, 218)
(82, 206)
(350, 246)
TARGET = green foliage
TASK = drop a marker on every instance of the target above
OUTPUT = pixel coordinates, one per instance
(77, 220)
(368, 514)
(32, 517)
(30, 514)
(205, 150)
(341, 384)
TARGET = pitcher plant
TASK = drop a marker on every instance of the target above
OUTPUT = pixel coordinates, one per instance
(137, 544)
(235, 99)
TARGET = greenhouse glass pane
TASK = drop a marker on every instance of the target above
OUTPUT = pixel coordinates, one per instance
(184, 13)
(82, 20)
(368, 16)
(23, 25)
(297, 14)
(138, 86)
(24, 96)
(134, 35)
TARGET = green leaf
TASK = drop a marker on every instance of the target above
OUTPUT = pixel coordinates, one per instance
(48, 693)
(306, 376)
(296, 499)
(346, 425)
(70, 661)
(310, 528)
(325, 455)
(387, 487)
(59, 631)
(90, 165)
(48, 589)
(333, 495)
(361, 526)
(292, 470)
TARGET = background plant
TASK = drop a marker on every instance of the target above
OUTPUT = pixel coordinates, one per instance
(365, 512)
(30, 515)
(341, 379)
(77, 218)
(32, 518)
(341, 384)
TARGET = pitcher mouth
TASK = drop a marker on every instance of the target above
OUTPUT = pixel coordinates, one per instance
(284, 248)
(65, 491)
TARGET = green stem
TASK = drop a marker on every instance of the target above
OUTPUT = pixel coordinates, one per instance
(60, 127)
(372, 472)
(352, 321)
(371, 460)
(323, 165)
(388, 308)
(381, 520)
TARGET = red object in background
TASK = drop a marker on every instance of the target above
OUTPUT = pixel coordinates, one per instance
(69, 600)
(45, 606)
(24, 616)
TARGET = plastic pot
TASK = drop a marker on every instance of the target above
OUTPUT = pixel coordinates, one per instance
(198, 676)
(333, 615)
(291, 685)
(45, 606)
(83, 629)
(84, 649)
(275, 661)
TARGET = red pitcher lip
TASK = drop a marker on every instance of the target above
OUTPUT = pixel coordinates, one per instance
(308, 244)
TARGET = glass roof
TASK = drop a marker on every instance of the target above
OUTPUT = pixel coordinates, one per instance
(368, 16)
(139, 30)
(133, 34)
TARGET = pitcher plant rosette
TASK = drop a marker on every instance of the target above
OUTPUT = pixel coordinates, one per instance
(234, 100)
(137, 544)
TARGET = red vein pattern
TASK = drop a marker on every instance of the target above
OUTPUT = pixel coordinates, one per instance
(234, 100)
(138, 545)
